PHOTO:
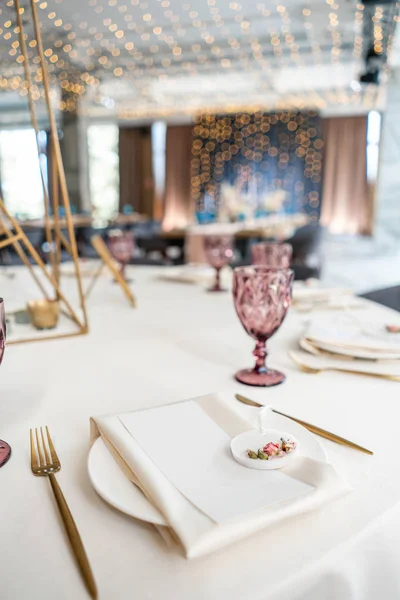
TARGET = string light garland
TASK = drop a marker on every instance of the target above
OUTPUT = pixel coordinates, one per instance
(136, 44)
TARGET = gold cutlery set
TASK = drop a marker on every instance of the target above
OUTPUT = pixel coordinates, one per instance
(45, 463)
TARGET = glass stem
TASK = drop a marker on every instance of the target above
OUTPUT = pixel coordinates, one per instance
(217, 278)
(260, 354)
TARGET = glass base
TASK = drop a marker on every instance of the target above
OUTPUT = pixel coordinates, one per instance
(5, 452)
(266, 378)
(216, 288)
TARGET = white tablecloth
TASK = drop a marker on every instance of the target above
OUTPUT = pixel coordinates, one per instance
(182, 342)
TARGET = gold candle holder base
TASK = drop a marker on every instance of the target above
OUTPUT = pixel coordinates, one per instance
(44, 313)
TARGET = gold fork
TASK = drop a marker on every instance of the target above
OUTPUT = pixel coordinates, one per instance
(45, 462)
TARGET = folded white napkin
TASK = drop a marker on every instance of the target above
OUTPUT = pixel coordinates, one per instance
(192, 528)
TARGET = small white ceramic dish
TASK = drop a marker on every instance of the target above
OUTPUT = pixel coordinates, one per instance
(253, 440)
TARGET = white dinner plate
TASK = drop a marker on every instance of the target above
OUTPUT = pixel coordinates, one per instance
(357, 352)
(347, 334)
(111, 484)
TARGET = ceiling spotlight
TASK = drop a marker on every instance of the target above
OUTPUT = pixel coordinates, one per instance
(370, 77)
(374, 61)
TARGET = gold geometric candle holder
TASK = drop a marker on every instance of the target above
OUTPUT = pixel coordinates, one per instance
(46, 278)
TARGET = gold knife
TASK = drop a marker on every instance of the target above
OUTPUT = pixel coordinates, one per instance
(313, 428)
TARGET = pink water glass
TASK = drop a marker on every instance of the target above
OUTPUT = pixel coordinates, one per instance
(219, 253)
(5, 449)
(272, 254)
(122, 245)
(262, 297)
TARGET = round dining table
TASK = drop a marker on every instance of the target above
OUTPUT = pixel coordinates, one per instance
(182, 342)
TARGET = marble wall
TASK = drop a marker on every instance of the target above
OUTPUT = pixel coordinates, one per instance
(388, 191)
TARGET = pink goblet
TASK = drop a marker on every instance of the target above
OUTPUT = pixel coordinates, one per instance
(272, 254)
(122, 245)
(262, 297)
(219, 252)
(5, 449)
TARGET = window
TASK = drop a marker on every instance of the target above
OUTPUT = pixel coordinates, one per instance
(373, 139)
(20, 179)
(158, 142)
(103, 170)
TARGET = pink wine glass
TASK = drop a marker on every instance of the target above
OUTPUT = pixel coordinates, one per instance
(272, 254)
(5, 449)
(262, 297)
(219, 252)
(122, 245)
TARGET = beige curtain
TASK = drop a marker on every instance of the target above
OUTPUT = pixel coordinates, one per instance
(178, 205)
(347, 205)
(136, 184)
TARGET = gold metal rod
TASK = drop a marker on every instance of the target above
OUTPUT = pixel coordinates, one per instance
(11, 240)
(66, 314)
(41, 264)
(103, 252)
(94, 279)
(55, 202)
(7, 222)
(66, 243)
(46, 337)
(21, 253)
(49, 236)
(58, 157)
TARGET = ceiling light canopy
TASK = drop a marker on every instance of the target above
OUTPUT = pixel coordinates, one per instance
(135, 58)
